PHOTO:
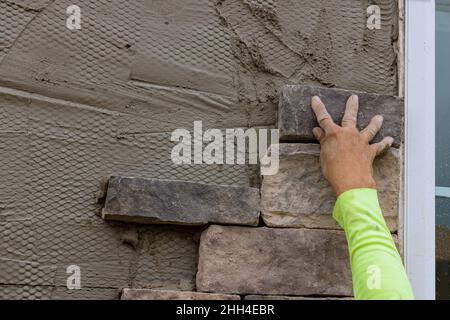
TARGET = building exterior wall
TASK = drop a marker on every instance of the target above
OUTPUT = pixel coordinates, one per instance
(79, 105)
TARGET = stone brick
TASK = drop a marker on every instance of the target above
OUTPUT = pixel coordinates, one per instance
(296, 118)
(261, 297)
(150, 294)
(273, 261)
(300, 196)
(178, 202)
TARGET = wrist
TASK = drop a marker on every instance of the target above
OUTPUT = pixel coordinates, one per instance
(366, 183)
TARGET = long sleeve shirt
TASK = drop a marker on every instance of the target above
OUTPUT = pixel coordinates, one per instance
(376, 266)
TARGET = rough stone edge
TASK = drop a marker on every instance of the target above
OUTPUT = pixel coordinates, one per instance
(325, 223)
(287, 138)
(400, 46)
(140, 294)
(101, 196)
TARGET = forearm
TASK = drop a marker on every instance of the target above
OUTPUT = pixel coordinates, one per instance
(376, 266)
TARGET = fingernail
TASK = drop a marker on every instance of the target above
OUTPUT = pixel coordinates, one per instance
(391, 141)
(317, 99)
(355, 97)
(379, 116)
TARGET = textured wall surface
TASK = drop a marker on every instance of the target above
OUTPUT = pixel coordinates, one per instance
(76, 106)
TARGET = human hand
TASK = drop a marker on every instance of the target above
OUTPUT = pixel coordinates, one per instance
(346, 157)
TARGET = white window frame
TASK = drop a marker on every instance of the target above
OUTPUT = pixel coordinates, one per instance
(419, 196)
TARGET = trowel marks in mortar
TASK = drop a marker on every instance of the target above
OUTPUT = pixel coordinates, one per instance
(113, 109)
(203, 45)
(324, 41)
(218, 61)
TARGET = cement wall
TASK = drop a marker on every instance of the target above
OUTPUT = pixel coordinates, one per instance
(76, 106)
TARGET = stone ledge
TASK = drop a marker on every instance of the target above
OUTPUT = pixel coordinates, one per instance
(178, 202)
(300, 196)
(273, 261)
(296, 118)
(151, 294)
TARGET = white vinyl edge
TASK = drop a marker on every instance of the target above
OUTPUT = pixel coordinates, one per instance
(419, 197)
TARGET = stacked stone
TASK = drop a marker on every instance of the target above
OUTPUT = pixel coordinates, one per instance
(297, 251)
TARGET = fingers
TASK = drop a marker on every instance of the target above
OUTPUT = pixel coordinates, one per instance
(382, 146)
(318, 133)
(322, 115)
(372, 128)
(351, 112)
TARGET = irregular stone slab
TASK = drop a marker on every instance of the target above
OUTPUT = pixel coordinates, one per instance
(150, 294)
(296, 118)
(178, 202)
(273, 261)
(260, 297)
(300, 196)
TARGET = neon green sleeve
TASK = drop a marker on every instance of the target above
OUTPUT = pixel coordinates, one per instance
(377, 269)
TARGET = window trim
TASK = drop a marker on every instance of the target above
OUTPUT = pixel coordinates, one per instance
(419, 191)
